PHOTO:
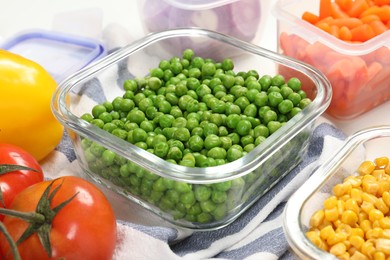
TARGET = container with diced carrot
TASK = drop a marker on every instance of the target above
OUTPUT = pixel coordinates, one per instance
(347, 40)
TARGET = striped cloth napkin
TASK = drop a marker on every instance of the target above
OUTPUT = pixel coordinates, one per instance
(256, 234)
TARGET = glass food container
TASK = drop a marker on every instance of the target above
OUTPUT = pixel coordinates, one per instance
(242, 181)
(358, 72)
(364, 145)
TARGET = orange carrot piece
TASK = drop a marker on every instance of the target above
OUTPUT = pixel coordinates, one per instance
(378, 27)
(334, 30)
(357, 7)
(336, 11)
(344, 4)
(382, 12)
(324, 26)
(362, 33)
(369, 18)
(388, 24)
(374, 69)
(325, 8)
(345, 34)
(311, 18)
(382, 2)
(349, 22)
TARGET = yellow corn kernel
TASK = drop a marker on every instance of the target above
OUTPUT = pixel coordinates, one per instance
(337, 223)
(326, 232)
(384, 185)
(352, 250)
(332, 214)
(338, 249)
(366, 167)
(359, 256)
(349, 217)
(337, 238)
(368, 249)
(344, 256)
(357, 232)
(341, 189)
(367, 206)
(383, 245)
(381, 205)
(330, 202)
(387, 168)
(379, 256)
(370, 187)
(375, 214)
(314, 238)
(356, 194)
(317, 218)
(365, 225)
(347, 244)
(324, 224)
(386, 233)
(356, 241)
(369, 197)
(351, 204)
(354, 181)
(362, 216)
(381, 162)
(386, 197)
(344, 228)
(340, 206)
(374, 233)
(345, 197)
(368, 178)
(379, 174)
(375, 224)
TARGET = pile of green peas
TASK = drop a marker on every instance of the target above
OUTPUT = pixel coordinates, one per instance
(194, 112)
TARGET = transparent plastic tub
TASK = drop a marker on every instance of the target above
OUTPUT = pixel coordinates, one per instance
(359, 72)
(240, 19)
(366, 144)
(246, 179)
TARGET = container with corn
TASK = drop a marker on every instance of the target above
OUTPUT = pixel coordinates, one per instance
(343, 210)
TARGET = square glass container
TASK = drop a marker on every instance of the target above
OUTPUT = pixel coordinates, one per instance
(366, 144)
(359, 72)
(242, 181)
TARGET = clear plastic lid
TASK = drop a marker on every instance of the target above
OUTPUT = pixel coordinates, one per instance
(60, 54)
(198, 4)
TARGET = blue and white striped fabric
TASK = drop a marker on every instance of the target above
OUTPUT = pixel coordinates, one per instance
(256, 234)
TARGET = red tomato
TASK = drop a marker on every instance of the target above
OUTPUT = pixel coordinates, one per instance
(12, 183)
(85, 228)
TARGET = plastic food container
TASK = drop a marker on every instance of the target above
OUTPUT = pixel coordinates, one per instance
(359, 73)
(247, 178)
(60, 54)
(241, 19)
(366, 144)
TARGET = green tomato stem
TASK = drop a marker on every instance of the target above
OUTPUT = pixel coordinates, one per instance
(27, 216)
(11, 242)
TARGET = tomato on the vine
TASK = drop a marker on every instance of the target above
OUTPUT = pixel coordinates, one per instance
(77, 217)
(13, 182)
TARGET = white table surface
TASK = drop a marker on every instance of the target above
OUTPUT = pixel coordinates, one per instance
(90, 17)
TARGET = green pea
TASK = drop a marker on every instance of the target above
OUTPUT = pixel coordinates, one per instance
(212, 140)
(233, 154)
(217, 153)
(195, 143)
(130, 84)
(202, 193)
(243, 127)
(294, 83)
(285, 106)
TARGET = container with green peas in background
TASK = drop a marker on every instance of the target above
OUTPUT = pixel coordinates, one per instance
(194, 139)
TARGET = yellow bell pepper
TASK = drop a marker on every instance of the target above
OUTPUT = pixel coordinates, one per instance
(26, 119)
